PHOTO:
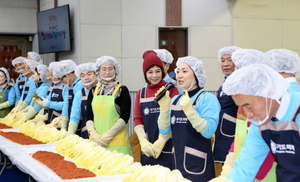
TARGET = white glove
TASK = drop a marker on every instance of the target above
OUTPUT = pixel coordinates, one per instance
(42, 102)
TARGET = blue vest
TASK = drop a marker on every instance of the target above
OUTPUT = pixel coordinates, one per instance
(82, 130)
(150, 112)
(56, 95)
(224, 135)
(192, 152)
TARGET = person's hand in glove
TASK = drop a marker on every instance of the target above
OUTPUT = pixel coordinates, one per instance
(146, 146)
(94, 136)
(64, 121)
(113, 131)
(195, 119)
(54, 123)
(159, 144)
(72, 128)
(228, 164)
(4, 105)
(164, 106)
(42, 102)
(30, 112)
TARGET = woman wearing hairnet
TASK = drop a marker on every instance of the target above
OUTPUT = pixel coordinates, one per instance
(7, 93)
(88, 76)
(273, 111)
(192, 118)
(42, 86)
(108, 108)
(156, 149)
(287, 64)
(18, 64)
(242, 58)
(34, 56)
(57, 95)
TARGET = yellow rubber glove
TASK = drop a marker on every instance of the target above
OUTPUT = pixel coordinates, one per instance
(220, 179)
(54, 123)
(22, 105)
(42, 117)
(72, 128)
(146, 146)
(160, 143)
(113, 131)
(20, 116)
(30, 112)
(94, 136)
(64, 121)
(164, 106)
(4, 105)
(195, 119)
(228, 164)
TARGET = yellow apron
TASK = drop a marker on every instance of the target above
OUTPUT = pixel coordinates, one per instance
(105, 116)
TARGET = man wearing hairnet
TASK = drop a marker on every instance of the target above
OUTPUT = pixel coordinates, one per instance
(192, 118)
(29, 86)
(42, 86)
(242, 58)
(287, 63)
(7, 93)
(64, 72)
(273, 110)
(224, 135)
(88, 76)
(54, 103)
(19, 65)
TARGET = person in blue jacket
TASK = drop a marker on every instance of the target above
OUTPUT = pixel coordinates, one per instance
(88, 76)
(273, 110)
(287, 63)
(64, 72)
(29, 86)
(57, 96)
(192, 118)
(224, 134)
(42, 86)
(7, 93)
(19, 65)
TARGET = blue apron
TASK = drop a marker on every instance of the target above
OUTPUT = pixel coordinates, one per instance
(284, 142)
(71, 97)
(21, 83)
(57, 96)
(150, 112)
(82, 130)
(224, 135)
(26, 89)
(192, 152)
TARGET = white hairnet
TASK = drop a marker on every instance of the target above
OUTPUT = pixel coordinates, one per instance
(256, 80)
(285, 61)
(63, 68)
(6, 74)
(42, 71)
(52, 65)
(108, 59)
(164, 55)
(84, 67)
(197, 67)
(17, 60)
(245, 57)
(31, 64)
(35, 56)
(227, 50)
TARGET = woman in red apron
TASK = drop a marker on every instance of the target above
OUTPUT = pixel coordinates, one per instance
(155, 148)
(108, 108)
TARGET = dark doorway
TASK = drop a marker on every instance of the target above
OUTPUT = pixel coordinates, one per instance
(175, 41)
(12, 46)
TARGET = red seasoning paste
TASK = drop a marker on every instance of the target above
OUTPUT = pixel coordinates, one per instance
(3, 126)
(64, 169)
(20, 138)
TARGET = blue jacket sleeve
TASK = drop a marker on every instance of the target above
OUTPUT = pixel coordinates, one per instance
(17, 91)
(31, 90)
(76, 108)
(42, 92)
(12, 96)
(253, 153)
(208, 107)
(57, 105)
(65, 109)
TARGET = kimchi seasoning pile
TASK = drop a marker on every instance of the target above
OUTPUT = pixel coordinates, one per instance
(3, 126)
(64, 169)
(20, 138)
